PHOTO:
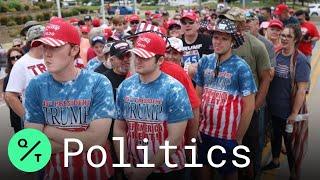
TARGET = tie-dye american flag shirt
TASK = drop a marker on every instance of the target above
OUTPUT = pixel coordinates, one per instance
(148, 109)
(221, 101)
(72, 106)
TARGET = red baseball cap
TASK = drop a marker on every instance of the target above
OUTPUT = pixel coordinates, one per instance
(280, 9)
(55, 18)
(156, 16)
(58, 33)
(96, 22)
(190, 15)
(148, 45)
(134, 17)
(148, 13)
(276, 23)
(85, 29)
(172, 22)
(74, 20)
(107, 32)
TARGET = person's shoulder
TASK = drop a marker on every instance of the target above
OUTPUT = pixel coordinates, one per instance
(132, 80)
(240, 62)
(43, 78)
(170, 81)
(301, 58)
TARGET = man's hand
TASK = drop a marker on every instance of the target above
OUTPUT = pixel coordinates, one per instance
(291, 119)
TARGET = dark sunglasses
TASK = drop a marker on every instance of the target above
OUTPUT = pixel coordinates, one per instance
(19, 45)
(134, 22)
(14, 58)
(184, 22)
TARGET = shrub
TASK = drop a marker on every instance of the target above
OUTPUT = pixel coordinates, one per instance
(26, 18)
(66, 13)
(45, 5)
(4, 7)
(15, 5)
(18, 19)
(26, 7)
(39, 17)
(75, 12)
(11, 22)
(46, 15)
(4, 20)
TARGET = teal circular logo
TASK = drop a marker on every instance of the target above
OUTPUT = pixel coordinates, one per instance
(29, 150)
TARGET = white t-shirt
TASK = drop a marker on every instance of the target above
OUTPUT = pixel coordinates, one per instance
(22, 72)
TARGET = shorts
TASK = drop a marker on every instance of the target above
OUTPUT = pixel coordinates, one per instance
(217, 155)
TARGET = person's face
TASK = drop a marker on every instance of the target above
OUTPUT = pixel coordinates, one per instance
(88, 22)
(222, 42)
(121, 65)
(301, 18)
(59, 59)
(85, 35)
(287, 38)
(134, 25)
(98, 49)
(189, 27)
(118, 27)
(284, 15)
(175, 31)
(264, 14)
(174, 56)
(252, 26)
(146, 66)
(14, 56)
(274, 33)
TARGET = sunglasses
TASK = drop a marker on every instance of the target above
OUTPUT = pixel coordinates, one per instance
(134, 22)
(19, 45)
(14, 58)
(184, 22)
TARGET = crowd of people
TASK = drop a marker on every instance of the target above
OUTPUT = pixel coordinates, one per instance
(229, 77)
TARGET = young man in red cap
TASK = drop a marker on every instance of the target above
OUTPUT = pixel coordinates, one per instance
(152, 107)
(195, 45)
(68, 102)
(283, 14)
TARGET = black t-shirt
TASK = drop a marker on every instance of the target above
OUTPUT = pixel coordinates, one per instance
(14, 118)
(193, 52)
(114, 78)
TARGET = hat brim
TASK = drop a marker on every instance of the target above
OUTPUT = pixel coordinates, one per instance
(276, 25)
(142, 53)
(48, 41)
(188, 17)
(24, 31)
(122, 53)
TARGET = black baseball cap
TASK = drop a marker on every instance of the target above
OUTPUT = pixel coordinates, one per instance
(99, 39)
(118, 48)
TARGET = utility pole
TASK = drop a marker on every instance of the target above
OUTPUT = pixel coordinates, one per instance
(58, 8)
(199, 3)
(135, 6)
(243, 4)
(103, 12)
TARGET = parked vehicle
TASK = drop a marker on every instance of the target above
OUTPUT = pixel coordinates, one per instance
(314, 9)
(124, 10)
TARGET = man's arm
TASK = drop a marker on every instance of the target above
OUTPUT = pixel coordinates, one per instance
(265, 79)
(120, 130)
(192, 127)
(12, 99)
(96, 134)
(246, 115)
(298, 101)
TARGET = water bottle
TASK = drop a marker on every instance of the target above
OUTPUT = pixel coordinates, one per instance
(289, 128)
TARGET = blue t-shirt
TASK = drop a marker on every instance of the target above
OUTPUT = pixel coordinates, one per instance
(147, 109)
(222, 95)
(70, 105)
(93, 64)
(279, 99)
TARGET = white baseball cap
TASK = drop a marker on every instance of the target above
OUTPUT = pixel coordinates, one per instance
(176, 43)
